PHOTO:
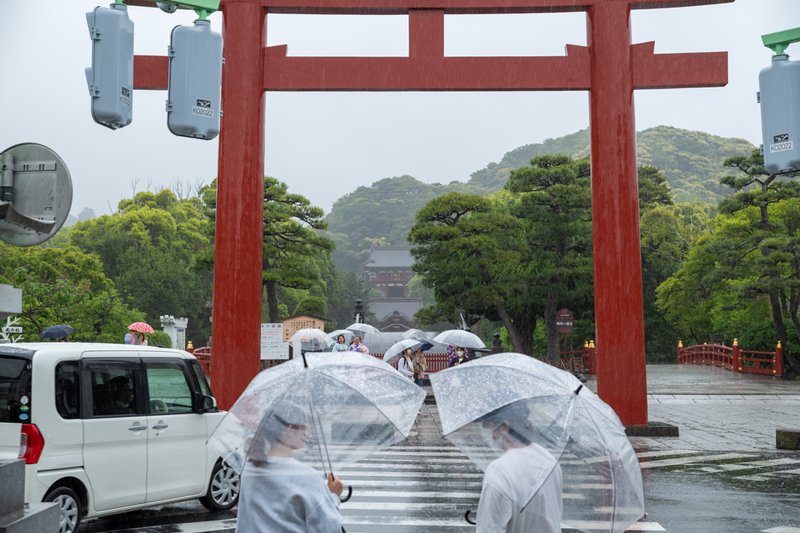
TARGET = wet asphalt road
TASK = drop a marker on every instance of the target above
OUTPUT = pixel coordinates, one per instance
(723, 475)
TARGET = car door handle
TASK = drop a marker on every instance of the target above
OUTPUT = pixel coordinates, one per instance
(137, 427)
(161, 425)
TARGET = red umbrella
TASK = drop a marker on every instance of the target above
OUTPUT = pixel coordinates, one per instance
(142, 327)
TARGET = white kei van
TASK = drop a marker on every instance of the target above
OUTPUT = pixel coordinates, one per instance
(109, 428)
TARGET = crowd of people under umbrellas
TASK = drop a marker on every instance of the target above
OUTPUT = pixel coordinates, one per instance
(412, 363)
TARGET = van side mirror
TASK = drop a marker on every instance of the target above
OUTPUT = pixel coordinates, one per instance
(208, 403)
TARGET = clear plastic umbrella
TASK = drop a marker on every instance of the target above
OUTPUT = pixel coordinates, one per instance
(396, 350)
(364, 329)
(333, 335)
(602, 482)
(309, 340)
(460, 337)
(350, 406)
(417, 334)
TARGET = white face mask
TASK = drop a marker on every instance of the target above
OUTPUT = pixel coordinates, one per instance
(460, 353)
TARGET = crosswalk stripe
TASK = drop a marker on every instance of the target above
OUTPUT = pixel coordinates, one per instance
(661, 453)
(415, 483)
(357, 495)
(344, 474)
(695, 459)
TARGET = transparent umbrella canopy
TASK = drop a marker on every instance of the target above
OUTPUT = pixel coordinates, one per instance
(363, 329)
(309, 340)
(333, 335)
(602, 482)
(352, 406)
(460, 337)
(396, 350)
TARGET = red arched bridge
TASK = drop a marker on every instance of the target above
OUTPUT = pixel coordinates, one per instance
(733, 358)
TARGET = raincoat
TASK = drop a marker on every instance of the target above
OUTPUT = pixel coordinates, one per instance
(507, 487)
(283, 494)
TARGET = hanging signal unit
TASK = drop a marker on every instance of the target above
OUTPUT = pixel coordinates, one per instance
(779, 96)
(194, 98)
(110, 78)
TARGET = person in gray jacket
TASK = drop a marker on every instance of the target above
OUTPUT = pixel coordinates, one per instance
(279, 493)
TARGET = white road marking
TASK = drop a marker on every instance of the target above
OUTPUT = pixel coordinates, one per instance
(696, 459)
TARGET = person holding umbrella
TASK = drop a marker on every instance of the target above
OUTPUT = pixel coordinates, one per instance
(420, 366)
(405, 365)
(278, 492)
(506, 505)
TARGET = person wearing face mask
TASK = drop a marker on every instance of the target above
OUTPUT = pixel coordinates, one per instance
(521, 490)
(460, 356)
(279, 493)
(405, 365)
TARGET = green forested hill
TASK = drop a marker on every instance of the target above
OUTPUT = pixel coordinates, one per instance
(691, 160)
(383, 213)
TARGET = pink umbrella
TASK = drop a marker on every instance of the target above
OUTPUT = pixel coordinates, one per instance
(142, 327)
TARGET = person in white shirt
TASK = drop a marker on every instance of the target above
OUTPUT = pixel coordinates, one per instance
(279, 493)
(522, 488)
(405, 365)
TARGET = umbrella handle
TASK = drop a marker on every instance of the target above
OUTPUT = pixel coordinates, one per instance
(466, 517)
(349, 494)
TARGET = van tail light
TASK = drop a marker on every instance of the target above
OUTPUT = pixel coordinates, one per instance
(31, 444)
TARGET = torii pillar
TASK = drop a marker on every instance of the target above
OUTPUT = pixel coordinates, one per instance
(610, 68)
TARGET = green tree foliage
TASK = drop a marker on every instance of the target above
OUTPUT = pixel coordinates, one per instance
(65, 286)
(292, 242)
(772, 238)
(468, 248)
(553, 201)
(745, 273)
(379, 215)
(155, 248)
(295, 253)
(382, 214)
(667, 234)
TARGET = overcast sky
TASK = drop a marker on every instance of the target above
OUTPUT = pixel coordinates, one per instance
(324, 145)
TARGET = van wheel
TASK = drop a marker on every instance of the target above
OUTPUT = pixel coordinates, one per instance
(223, 489)
(69, 508)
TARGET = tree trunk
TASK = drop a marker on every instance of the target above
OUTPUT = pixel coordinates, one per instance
(521, 335)
(272, 301)
(553, 349)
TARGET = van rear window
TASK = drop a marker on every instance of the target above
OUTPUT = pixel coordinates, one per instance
(15, 389)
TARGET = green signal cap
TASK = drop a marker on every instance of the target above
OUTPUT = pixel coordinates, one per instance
(780, 40)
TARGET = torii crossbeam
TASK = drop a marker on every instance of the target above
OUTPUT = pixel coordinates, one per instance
(610, 68)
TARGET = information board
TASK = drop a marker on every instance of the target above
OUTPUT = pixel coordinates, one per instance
(273, 347)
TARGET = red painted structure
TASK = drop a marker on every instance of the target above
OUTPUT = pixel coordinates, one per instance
(610, 68)
(733, 358)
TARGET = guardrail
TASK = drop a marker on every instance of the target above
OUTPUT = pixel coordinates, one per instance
(733, 358)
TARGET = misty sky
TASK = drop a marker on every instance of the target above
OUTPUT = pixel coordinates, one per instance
(324, 145)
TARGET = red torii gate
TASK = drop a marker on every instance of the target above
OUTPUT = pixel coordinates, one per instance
(610, 68)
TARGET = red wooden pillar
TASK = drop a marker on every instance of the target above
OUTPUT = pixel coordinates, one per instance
(621, 373)
(736, 364)
(237, 259)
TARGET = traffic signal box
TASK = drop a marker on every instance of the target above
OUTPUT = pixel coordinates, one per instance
(195, 81)
(110, 77)
(779, 95)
